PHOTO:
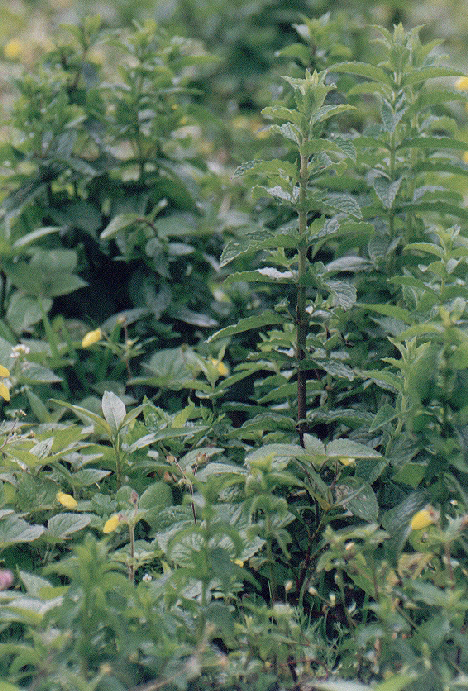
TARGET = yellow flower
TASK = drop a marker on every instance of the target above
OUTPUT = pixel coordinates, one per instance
(66, 500)
(13, 49)
(4, 390)
(462, 84)
(111, 523)
(91, 338)
(239, 562)
(424, 518)
(346, 460)
(220, 366)
(465, 157)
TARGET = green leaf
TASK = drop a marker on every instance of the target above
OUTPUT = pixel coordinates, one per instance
(6, 686)
(350, 449)
(37, 374)
(362, 69)
(24, 311)
(425, 247)
(385, 415)
(410, 474)
(288, 131)
(433, 143)
(30, 238)
(267, 318)
(171, 368)
(395, 683)
(255, 239)
(357, 496)
(41, 282)
(282, 113)
(344, 293)
(397, 522)
(329, 111)
(100, 425)
(343, 203)
(118, 223)
(265, 275)
(15, 530)
(430, 73)
(88, 476)
(271, 451)
(114, 411)
(340, 685)
(156, 497)
(386, 190)
(349, 263)
(390, 311)
(64, 524)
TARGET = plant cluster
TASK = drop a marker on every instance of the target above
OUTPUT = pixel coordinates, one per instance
(235, 425)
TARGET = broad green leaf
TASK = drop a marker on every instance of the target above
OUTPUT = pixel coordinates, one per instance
(142, 442)
(363, 69)
(24, 311)
(255, 239)
(410, 474)
(433, 143)
(289, 131)
(6, 686)
(88, 476)
(188, 316)
(430, 73)
(267, 318)
(270, 451)
(295, 50)
(349, 263)
(386, 190)
(425, 247)
(358, 497)
(114, 411)
(266, 275)
(397, 521)
(33, 583)
(395, 683)
(118, 223)
(314, 445)
(24, 458)
(340, 685)
(29, 238)
(15, 530)
(282, 113)
(326, 112)
(343, 203)
(100, 424)
(390, 311)
(38, 374)
(156, 497)
(383, 378)
(337, 146)
(385, 415)
(344, 293)
(350, 449)
(439, 207)
(64, 524)
(171, 368)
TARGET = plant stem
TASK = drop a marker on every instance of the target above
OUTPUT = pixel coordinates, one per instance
(301, 314)
(131, 565)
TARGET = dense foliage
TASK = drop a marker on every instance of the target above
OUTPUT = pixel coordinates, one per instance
(233, 361)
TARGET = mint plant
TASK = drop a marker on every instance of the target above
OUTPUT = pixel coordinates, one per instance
(296, 184)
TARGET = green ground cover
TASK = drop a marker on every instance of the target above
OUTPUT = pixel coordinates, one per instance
(233, 350)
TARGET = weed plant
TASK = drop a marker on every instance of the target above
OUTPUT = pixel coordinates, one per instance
(234, 438)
